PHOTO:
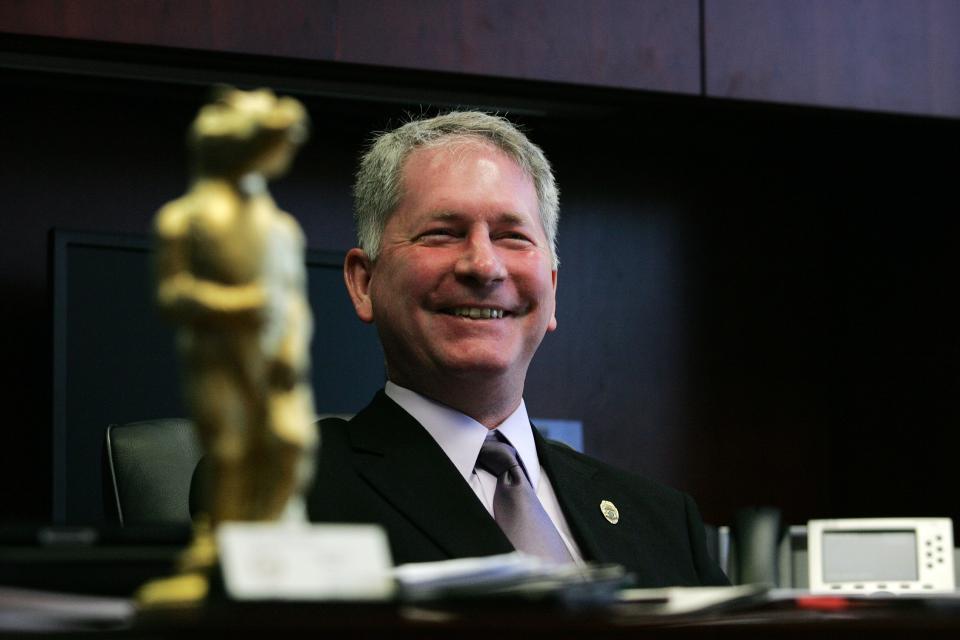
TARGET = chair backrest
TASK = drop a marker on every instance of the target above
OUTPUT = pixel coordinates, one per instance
(148, 468)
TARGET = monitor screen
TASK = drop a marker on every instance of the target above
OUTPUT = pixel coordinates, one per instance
(115, 361)
(869, 556)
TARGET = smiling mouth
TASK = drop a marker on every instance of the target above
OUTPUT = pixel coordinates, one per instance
(476, 313)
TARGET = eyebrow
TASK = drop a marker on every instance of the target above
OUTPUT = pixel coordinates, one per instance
(502, 218)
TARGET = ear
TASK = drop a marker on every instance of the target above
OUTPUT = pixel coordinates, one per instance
(357, 273)
(552, 325)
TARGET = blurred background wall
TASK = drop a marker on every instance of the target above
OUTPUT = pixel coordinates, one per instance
(757, 298)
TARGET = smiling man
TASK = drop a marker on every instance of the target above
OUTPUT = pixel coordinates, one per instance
(457, 268)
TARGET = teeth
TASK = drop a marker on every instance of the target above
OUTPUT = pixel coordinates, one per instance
(478, 313)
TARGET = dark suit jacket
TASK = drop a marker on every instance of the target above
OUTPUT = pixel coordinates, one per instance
(383, 467)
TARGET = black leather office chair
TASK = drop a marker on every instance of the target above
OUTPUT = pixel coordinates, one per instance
(148, 468)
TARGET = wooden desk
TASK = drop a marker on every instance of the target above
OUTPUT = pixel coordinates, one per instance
(512, 621)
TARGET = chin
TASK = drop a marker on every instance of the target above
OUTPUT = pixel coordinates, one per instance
(486, 367)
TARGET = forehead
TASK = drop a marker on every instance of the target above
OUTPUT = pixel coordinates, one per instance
(455, 150)
(466, 171)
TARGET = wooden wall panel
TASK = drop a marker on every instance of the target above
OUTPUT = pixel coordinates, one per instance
(294, 28)
(651, 45)
(888, 55)
(754, 301)
(641, 45)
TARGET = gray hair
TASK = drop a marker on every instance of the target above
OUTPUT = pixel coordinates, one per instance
(377, 191)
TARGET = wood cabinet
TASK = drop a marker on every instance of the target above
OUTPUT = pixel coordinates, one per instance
(883, 55)
(651, 45)
(879, 55)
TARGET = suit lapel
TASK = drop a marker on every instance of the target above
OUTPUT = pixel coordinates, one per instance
(400, 460)
(572, 483)
(580, 488)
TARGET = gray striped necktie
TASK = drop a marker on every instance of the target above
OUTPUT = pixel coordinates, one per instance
(516, 507)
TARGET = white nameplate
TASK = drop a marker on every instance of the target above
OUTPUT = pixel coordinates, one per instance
(284, 561)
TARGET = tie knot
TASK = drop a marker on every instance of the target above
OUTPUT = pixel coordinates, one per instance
(499, 457)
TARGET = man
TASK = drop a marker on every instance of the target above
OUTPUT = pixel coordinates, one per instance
(457, 268)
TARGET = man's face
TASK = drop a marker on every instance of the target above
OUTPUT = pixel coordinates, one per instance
(464, 284)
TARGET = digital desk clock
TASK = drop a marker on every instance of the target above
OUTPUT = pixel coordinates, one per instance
(891, 555)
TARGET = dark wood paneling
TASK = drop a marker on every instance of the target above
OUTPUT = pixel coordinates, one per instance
(754, 300)
(651, 45)
(889, 55)
(642, 45)
(758, 287)
(294, 28)
(104, 156)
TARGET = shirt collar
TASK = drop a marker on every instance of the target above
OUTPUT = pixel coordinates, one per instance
(461, 437)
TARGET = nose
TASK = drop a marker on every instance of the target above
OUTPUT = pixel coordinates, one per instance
(480, 262)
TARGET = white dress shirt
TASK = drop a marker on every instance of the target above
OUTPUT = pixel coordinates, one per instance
(461, 437)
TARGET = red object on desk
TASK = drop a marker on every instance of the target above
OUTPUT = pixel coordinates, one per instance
(823, 603)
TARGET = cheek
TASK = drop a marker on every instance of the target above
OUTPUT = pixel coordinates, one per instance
(399, 283)
(421, 274)
(533, 274)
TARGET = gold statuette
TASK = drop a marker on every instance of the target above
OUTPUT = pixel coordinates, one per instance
(231, 277)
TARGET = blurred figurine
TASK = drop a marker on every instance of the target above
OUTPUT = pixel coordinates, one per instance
(231, 276)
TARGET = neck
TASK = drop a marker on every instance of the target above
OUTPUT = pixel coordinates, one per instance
(487, 401)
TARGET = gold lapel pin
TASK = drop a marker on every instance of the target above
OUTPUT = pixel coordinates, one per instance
(609, 511)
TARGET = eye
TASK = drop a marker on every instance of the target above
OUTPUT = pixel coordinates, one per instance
(514, 238)
(437, 234)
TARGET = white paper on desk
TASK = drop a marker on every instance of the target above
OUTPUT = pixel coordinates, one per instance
(473, 575)
(294, 561)
(23, 610)
(677, 600)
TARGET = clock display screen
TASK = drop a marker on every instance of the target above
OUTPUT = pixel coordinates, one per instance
(869, 556)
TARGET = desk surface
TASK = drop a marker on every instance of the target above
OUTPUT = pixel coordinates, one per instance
(504, 620)
(62, 614)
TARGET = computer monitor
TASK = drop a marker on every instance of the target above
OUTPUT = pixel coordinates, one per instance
(114, 359)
